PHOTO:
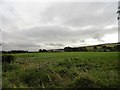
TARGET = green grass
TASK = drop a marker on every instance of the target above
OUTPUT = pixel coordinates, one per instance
(62, 69)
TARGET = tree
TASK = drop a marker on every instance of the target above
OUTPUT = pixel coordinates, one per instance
(118, 12)
(104, 47)
(95, 47)
(40, 50)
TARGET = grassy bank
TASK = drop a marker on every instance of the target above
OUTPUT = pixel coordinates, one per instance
(62, 69)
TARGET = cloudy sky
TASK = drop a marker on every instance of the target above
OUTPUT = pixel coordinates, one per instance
(48, 25)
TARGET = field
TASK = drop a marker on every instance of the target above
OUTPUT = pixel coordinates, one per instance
(62, 69)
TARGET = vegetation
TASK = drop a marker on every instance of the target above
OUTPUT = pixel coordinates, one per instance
(7, 58)
(111, 47)
(118, 12)
(62, 69)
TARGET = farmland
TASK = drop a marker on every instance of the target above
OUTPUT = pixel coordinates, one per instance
(62, 69)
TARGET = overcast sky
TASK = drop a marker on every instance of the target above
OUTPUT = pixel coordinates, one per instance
(48, 25)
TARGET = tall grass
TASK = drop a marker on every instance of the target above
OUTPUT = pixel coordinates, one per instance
(60, 70)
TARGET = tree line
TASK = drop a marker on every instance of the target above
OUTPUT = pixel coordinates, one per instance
(97, 48)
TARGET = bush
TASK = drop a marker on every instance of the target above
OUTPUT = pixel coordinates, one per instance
(8, 58)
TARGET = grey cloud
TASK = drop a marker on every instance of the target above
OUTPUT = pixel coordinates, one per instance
(79, 14)
(82, 41)
(98, 37)
(66, 20)
(9, 14)
(19, 45)
(55, 44)
(44, 34)
(57, 33)
(49, 33)
(13, 36)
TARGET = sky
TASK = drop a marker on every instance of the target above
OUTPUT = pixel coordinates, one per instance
(32, 25)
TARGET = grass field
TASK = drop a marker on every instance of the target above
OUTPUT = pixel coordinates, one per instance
(62, 69)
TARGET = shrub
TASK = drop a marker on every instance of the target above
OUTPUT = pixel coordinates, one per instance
(8, 58)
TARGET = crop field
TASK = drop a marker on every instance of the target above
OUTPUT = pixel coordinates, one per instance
(62, 70)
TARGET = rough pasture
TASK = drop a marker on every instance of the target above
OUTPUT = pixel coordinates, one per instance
(62, 69)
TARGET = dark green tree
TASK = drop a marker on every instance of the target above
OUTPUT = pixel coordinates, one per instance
(118, 12)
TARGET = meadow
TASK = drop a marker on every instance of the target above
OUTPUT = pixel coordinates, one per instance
(62, 70)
